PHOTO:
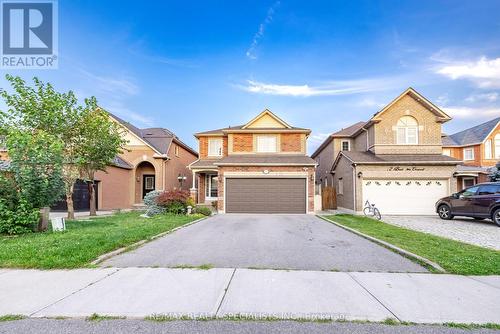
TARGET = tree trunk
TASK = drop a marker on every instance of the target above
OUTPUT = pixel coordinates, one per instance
(69, 201)
(92, 198)
(43, 223)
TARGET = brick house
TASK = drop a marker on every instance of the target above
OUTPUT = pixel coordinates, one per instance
(394, 159)
(478, 148)
(259, 167)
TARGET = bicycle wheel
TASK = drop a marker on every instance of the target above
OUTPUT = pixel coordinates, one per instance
(367, 211)
(376, 214)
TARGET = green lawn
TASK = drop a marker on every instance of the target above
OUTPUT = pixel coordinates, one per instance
(83, 241)
(454, 256)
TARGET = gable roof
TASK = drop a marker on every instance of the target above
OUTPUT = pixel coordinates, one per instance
(419, 98)
(159, 139)
(269, 113)
(475, 135)
(348, 132)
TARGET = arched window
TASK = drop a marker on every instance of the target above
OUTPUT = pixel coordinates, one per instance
(497, 146)
(407, 131)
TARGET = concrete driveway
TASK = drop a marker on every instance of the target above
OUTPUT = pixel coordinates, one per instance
(266, 241)
(484, 233)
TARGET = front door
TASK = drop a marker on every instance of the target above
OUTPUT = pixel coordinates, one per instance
(211, 187)
(148, 184)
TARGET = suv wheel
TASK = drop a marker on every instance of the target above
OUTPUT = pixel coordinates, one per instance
(496, 216)
(444, 212)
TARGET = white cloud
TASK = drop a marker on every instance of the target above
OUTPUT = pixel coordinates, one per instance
(466, 112)
(328, 88)
(112, 84)
(489, 97)
(117, 108)
(484, 72)
(369, 102)
(260, 32)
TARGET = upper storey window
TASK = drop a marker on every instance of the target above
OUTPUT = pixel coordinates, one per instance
(215, 147)
(407, 131)
(266, 144)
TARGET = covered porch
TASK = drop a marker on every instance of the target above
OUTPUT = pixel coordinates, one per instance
(468, 176)
(205, 186)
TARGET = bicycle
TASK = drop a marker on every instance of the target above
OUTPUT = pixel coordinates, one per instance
(371, 210)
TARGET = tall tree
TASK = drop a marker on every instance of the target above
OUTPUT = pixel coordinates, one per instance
(100, 141)
(42, 108)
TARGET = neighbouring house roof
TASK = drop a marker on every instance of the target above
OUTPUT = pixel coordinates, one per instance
(348, 132)
(121, 163)
(447, 140)
(475, 135)
(266, 160)
(159, 139)
(419, 98)
(477, 169)
(369, 158)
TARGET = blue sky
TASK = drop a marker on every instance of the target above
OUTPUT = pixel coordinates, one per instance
(198, 65)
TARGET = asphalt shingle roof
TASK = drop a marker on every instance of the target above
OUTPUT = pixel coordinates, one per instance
(474, 135)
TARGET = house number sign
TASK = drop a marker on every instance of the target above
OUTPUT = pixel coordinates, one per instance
(405, 169)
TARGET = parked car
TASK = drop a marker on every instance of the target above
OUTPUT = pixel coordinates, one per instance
(480, 201)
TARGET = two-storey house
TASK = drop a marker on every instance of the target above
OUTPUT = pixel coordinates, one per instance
(259, 167)
(394, 160)
(479, 149)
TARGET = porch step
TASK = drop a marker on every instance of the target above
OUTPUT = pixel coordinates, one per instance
(139, 207)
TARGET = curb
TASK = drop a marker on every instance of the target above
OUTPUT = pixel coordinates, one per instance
(119, 251)
(396, 249)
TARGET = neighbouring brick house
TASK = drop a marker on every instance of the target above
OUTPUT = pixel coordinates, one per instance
(394, 159)
(259, 167)
(479, 149)
(153, 159)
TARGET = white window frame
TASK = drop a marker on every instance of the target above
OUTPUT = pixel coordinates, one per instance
(217, 149)
(348, 145)
(208, 187)
(497, 146)
(488, 149)
(405, 130)
(467, 149)
(341, 186)
(149, 182)
(468, 178)
(447, 152)
(267, 148)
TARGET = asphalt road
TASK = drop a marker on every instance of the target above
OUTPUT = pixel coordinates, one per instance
(52, 326)
(266, 241)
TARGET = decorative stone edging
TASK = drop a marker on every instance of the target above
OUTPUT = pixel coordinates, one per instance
(396, 249)
(119, 251)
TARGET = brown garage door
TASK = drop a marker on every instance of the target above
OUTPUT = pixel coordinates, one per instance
(265, 195)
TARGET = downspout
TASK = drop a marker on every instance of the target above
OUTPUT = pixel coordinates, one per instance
(354, 185)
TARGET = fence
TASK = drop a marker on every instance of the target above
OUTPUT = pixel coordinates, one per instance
(329, 198)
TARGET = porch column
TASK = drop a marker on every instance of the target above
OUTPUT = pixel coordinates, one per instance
(193, 191)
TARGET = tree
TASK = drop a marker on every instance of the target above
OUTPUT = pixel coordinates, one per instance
(42, 108)
(495, 173)
(36, 163)
(100, 141)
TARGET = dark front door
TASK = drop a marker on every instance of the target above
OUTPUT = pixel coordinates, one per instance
(464, 203)
(81, 198)
(148, 184)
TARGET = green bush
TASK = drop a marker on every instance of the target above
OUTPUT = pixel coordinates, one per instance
(8, 191)
(22, 219)
(150, 200)
(176, 208)
(203, 210)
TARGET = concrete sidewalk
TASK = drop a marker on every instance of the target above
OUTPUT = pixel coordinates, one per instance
(140, 292)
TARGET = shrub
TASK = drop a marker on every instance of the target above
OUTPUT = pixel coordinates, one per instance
(8, 191)
(150, 200)
(22, 219)
(174, 201)
(203, 210)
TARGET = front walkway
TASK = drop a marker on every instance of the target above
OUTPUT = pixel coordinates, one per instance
(141, 292)
(482, 233)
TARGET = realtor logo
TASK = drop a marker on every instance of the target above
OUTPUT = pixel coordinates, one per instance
(29, 34)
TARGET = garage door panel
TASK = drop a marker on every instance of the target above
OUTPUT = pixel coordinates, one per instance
(402, 196)
(265, 195)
